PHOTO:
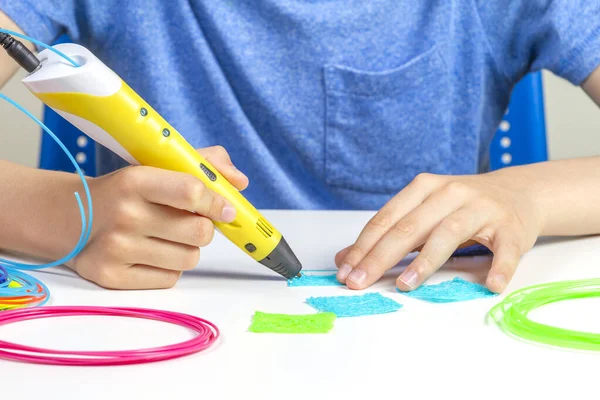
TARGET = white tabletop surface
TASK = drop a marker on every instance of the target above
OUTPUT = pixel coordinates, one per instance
(422, 351)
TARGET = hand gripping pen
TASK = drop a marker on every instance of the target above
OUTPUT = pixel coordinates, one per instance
(98, 102)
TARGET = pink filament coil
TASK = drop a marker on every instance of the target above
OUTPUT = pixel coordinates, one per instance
(207, 335)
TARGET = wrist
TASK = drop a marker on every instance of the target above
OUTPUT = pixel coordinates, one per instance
(529, 181)
(538, 195)
(39, 213)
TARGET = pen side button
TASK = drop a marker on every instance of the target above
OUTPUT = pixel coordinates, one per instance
(211, 175)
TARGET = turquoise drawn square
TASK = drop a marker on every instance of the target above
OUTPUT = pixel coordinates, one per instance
(355, 306)
(314, 280)
(450, 291)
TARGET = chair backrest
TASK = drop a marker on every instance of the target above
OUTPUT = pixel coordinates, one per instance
(78, 144)
(521, 136)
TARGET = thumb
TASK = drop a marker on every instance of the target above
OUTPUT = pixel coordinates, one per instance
(219, 158)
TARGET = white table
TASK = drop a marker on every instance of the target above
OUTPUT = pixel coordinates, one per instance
(422, 351)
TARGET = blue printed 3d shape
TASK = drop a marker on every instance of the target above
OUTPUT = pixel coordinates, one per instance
(454, 290)
(314, 280)
(355, 306)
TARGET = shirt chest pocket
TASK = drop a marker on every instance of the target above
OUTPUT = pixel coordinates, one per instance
(383, 128)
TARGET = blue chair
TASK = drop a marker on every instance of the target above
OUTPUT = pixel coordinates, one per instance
(78, 144)
(521, 136)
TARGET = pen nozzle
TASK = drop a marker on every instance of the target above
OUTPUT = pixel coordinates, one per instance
(283, 261)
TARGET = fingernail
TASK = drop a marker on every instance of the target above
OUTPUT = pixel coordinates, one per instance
(409, 278)
(500, 280)
(343, 272)
(358, 276)
(228, 213)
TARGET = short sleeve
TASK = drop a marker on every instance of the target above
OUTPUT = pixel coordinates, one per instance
(44, 20)
(561, 36)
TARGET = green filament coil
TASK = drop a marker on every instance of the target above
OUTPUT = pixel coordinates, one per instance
(512, 314)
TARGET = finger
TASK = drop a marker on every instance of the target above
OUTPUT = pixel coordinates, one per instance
(454, 230)
(507, 251)
(183, 191)
(220, 159)
(138, 277)
(339, 257)
(163, 254)
(466, 244)
(177, 226)
(399, 206)
(343, 269)
(406, 234)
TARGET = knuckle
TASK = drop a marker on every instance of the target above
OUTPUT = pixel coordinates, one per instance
(217, 205)
(380, 220)
(423, 178)
(373, 260)
(127, 216)
(451, 226)
(128, 180)
(107, 277)
(220, 151)
(487, 205)
(457, 189)
(509, 242)
(190, 259)
(510, 218)
(424, 264)
(515, 245)
(204, 232)
(485, 236)
(192, 190)
(403, 229)
(170, 280)
(355, 255)
(114, 244)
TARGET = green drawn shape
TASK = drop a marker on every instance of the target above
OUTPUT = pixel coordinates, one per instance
(288, 323)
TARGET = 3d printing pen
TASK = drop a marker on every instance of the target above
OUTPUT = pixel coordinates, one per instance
(98, 102)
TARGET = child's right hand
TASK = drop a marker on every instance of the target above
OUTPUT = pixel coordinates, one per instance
(143, 235)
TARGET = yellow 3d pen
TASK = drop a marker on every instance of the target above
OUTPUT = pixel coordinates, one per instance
(98, 102)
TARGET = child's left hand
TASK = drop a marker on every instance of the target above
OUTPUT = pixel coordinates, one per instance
(438, 214)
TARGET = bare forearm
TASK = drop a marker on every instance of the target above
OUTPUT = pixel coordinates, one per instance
(38, 212)
(568, 191)
(592, 86)
(567, 194)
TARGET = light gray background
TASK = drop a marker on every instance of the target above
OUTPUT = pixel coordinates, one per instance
(573, 122)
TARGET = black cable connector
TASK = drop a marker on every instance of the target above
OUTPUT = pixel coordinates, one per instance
(19, 52)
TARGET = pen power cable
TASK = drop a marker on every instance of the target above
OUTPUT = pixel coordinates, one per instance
(18, 289)
(21, 294)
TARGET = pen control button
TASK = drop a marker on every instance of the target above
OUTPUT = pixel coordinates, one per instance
(211, 175)
(250, 247)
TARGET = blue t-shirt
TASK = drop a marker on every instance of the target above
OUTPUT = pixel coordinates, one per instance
(329, 104)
